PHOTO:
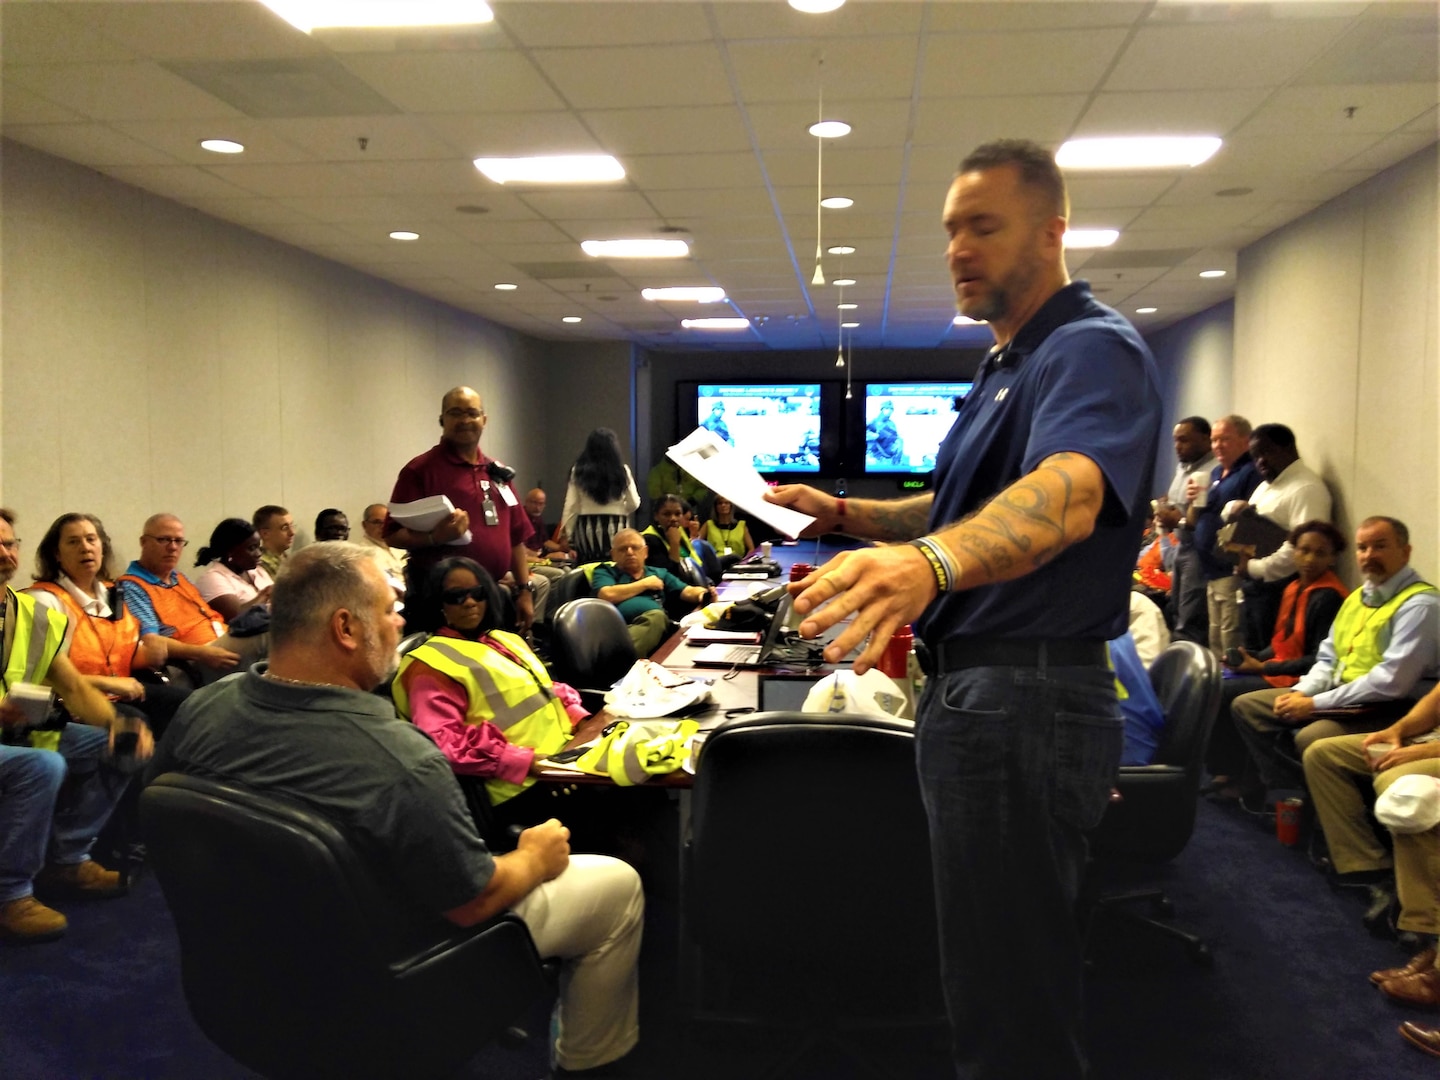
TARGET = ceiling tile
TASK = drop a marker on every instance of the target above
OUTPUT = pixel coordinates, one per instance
(668, 172)
(634, 77)
(879, 67)
(188, 31)
(589, 204)
(975, 18)
(957, 125)
(1055, 62)
(786, 125)
(339, 138)
(54, 34)
(1326, 110)
(1220, 56)
(291, 181)
(22, 107)
(488, 81)
(1193, 112)
(96, 145)
(668, 130)
(615, 23)
(175, 181)
(180, 139)
(740, 22)
(517, 134)
(134, 91)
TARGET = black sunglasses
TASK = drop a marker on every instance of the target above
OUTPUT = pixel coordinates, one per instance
(478, 593)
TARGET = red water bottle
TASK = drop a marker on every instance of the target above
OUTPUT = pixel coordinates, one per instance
(896, 657)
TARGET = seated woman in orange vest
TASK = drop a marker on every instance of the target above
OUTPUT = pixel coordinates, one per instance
(482, 695)
(1308, 606)
(103, 638)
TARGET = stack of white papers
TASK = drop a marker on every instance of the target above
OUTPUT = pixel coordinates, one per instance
(422, 515)
(726, 471)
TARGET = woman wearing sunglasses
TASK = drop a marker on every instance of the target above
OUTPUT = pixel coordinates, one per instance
(481, 694)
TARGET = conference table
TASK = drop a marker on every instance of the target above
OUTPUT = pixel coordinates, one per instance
(733, 692)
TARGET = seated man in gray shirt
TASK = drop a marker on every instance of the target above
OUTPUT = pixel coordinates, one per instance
(643, 594)
(308, 727)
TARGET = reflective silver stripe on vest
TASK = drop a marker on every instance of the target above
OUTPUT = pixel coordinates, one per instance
(505, 714)
(39, 635)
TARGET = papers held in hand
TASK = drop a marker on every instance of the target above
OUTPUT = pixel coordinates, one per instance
(423, 515)
(726, 471)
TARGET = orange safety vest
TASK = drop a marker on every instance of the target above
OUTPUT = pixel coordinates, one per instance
(181, 606)
(98, 646)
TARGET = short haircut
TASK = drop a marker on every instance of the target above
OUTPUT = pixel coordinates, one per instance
(624, 532)
(329, 513)
(47, 555)
(1199, 423)
(1402, 531)
(431, 614)
(1238, 422)
(1277, 435)
(261, 518)
(7, 515)
(1038, 172)
(1324, 528)
(315, 583)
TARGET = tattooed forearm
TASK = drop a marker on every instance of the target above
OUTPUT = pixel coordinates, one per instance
(889, 519)
(1030, 522)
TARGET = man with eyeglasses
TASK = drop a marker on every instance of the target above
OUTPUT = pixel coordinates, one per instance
(34, 825)
(167, 604)
(643, 593)
(277, 536)
(392, 560)
(487, 509)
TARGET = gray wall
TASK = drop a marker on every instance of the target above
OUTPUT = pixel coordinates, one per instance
(1196, 360)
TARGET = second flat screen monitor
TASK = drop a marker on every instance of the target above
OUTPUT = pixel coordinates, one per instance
(776, 426)
(906, 422)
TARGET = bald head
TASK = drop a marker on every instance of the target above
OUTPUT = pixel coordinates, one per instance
(161, 542)
(627, 551)
(535, 502)
(462, 420)
(374, 520)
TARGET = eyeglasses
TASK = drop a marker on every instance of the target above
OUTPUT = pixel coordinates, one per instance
(168, 541)
(10, 545)
(478, 593)
(464, 414)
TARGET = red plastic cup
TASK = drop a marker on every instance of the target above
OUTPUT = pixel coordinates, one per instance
(799, 570)
(1287, 821)
(895, 659)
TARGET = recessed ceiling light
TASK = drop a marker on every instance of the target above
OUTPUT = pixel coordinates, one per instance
(556, 169)
(849, 325)
(846, 307)
(222, 146)
(703, 295)
(571, 318)
(404, 234)
(830, 129)
(841, 249)
(816, 7)
(1137, 152)
(837, 202)
(1146, 310)
(716, 324)
(1090, 238)
(843, 280)
(635, 249)
(506, 286)
(1212, 273)
(965, 320)
(308, 15)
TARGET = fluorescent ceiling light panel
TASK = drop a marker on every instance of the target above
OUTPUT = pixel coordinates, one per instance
(841, 249)
(571, 319)
(222, 146)
(554, 169)
(683, 294)
(816, 7)
(1146, 310)
(635, 249)
(830, 129)
(1212, 273)
(849, 325)
(1090, 238)
(506, 286)
(404, 234)
(846, 307)
(1138, 152)
(308, 15)
(715, 324)
(837, 202)
(842, 281)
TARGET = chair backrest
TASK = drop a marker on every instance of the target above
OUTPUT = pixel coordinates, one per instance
(1186, 679)
(572, 585)
(789, 813)
(590, 647)
(295, 960)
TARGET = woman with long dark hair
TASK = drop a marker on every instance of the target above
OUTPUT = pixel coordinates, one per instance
(600, 497)
(233, 581)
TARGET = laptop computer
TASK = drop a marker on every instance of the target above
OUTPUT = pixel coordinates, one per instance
(785, 693)
(766, 654)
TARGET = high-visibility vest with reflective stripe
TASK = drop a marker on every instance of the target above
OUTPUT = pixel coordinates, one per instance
(39, 633)
(181, 606)
(516, 698)
(98, 646)
(1357, 630)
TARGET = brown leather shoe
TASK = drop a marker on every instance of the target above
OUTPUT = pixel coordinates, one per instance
(1422, 1038)
(86, 880)
(1418, 963)
(1422, 988)
(27, 920)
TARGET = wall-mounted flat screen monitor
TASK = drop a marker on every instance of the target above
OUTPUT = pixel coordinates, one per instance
(906, 422)
(777, 426)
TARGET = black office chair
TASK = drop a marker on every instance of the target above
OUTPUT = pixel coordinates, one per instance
(573, 585)
(298, 963)
(1153, 817)
(590, 648)
(783, 933)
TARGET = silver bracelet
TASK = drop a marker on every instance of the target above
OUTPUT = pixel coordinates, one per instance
(947, 560)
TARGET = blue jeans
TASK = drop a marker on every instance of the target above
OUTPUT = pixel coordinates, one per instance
(30, 819)
(1015, 764)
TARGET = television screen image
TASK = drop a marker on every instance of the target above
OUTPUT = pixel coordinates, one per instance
(776, 426)
(906, 422)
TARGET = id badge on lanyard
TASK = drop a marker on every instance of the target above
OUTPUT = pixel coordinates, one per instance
(487, 506)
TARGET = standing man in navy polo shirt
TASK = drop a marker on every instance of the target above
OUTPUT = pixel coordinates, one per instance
(485, 503)
(1016, 572)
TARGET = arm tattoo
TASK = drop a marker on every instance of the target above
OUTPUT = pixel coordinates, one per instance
(891, 519)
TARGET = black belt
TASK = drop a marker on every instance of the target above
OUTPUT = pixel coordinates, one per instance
(956, 653)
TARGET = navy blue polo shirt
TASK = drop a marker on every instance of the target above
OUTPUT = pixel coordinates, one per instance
(1241, 481)
(1079, 378)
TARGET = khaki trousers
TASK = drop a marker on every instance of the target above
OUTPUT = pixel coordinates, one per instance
(1222, 598)
(1260, 731)
(1333, 768)
(647, 631)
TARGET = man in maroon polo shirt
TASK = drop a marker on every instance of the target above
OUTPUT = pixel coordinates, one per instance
(484, 504)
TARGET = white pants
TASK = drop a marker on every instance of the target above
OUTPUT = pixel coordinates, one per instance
(591, 917)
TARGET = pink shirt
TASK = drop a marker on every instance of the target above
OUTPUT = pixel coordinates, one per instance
(219, 580)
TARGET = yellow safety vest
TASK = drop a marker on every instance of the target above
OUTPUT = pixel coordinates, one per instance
(39, 633)
(1357, 631)
(516, 698)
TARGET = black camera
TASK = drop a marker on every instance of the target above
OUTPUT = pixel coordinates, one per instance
(500, 472)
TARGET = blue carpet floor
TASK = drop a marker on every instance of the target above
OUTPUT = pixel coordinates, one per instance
(1287, 997)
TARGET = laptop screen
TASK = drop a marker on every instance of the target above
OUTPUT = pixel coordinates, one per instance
(785, 693)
